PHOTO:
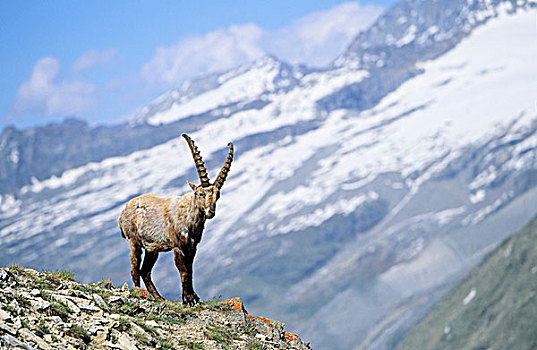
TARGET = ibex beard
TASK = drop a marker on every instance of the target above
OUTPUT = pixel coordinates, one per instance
(161, 224)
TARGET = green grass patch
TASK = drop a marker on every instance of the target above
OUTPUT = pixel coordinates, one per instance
(166, 344)
(191, 344)
(167, 319)
(79, 332)
(44, 284)
(11, 309)
(63, 275)
(149, 329)
(22, 301)
(42, 329)
(94, 288)
(250, 330)
(143, 339)
(15, 268)
(253, 344)
(59, 309)
(222, 335)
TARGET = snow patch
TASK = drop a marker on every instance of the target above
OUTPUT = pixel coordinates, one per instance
(469, 297)
(408, 37)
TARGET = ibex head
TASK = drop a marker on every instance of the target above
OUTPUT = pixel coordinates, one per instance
(207, 192)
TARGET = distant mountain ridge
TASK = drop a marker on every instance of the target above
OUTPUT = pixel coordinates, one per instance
(494, 306)
(358, 195)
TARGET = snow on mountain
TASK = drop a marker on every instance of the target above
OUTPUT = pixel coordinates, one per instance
(358, 194)
(239, 86)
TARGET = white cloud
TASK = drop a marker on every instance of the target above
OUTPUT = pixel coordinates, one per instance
(46, 93)
(315, 39)
(92, 58)
(200, 54)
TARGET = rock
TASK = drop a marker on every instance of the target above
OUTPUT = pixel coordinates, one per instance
(4, 327)
(126, 343)
(72, 307)
(72, 318)
(106, 284)
(115, 299)
(40, 305)
(88, 307)
(15, 304)
(56, 319)
(152, 323)
(101, 336)
(4, 315)
(31, 271)
(17, 323)
(125, 286)
(14, 342)
(28, 335)
(99, 300)
(4, 276)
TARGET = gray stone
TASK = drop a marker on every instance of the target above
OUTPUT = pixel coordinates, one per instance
(35, 292)
(14, 303)
(4, 315)
(88, 307)
(4, 276)
(99, 300)
(72, 307)
(56, 319)
(126, 343)
(34, 338)
(12, 341)
(115, 299)
(4, 327)
(40, 305)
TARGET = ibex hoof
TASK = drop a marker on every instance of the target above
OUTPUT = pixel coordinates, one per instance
(191, 299)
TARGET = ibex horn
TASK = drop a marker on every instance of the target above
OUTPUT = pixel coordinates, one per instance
(200, 166)
(225, 169)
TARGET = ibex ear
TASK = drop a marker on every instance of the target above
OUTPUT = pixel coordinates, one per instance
(192, 186)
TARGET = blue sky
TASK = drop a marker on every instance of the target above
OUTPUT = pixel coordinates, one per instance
(104, 60)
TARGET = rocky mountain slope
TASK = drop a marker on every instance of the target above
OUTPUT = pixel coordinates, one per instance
(49, 310)
(495, 307)
(359, 193)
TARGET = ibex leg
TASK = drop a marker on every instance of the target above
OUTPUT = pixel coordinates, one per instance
(135, 255)
(150, 258)
(184, 265)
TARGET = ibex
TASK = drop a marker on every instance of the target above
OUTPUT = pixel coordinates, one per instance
(160, 224)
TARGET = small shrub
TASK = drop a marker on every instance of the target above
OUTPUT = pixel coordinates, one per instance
(166, 344)
(143, 339)
(191, 344)
(42, 329)
(59, 309)
(222, 336)
(18, 269)
(79, 332)
(64, 275)
(253, 344)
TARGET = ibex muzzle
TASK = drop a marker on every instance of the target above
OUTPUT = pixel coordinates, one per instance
(160, 224)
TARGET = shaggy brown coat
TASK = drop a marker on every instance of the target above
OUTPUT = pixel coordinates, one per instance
(160, 224)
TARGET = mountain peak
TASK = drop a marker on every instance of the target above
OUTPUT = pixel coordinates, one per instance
(414, 30)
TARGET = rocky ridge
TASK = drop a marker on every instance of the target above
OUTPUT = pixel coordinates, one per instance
(49, 310)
